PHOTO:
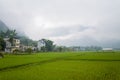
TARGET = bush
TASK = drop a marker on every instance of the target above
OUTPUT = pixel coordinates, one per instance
(43, 49)
(1, 55)
(16, 51)
(29, 50)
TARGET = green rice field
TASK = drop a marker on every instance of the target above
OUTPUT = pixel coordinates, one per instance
(61, 66)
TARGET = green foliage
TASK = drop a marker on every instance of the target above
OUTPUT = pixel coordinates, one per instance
(2, 44)
(9, 33)
(29, 50)
(6, 32)
(13, 34)
(16, 51)
(62, 49)
(27, 42)
(65, 66)
(1, 55)
(48, 45)
(43, 49)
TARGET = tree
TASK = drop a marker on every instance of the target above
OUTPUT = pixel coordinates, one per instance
(16, 51)
(2, 44)
(27, 42)
(29, 50)
(12, 35)
(48, 45)
(5, 34)
(1, 55)
(60, 49)
(2, 34)
(43, 49)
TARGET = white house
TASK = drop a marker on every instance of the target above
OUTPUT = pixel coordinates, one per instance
(107, 49)
(10, 47)
(40, 44)
(16, 43)
(24, 48)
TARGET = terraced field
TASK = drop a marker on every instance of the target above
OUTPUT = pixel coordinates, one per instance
(61, 66)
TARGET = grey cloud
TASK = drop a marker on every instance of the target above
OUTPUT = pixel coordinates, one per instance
(78, 22)
(65, 30)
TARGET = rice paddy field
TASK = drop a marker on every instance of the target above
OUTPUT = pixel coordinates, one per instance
(61, 66)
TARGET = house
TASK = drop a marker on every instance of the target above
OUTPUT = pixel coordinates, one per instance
(16, 44)
(10, 47)
(40, 44)
(24, 48)
(107, 49)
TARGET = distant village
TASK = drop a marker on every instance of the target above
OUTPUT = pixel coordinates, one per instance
(17, 46)
(13, 44)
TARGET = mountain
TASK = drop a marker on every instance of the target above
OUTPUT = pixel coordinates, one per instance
(3, 26)
(24, 40)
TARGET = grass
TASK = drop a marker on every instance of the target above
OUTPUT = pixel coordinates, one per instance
(61, 66)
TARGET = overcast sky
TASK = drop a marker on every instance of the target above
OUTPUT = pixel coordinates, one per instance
(66, 22)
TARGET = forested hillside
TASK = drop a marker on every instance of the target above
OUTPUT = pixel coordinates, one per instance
(5, 31)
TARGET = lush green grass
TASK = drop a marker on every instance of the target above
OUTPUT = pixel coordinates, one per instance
(61, 66)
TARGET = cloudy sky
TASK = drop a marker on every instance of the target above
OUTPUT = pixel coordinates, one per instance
(66, 22)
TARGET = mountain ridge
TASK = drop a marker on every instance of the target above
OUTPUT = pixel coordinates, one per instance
(3, 26)
(23, 38)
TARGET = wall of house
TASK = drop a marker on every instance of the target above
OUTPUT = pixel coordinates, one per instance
(40, 44)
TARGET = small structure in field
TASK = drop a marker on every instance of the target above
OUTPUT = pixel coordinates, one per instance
(107, 49)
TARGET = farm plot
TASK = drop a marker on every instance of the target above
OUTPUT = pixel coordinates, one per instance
(61, 66)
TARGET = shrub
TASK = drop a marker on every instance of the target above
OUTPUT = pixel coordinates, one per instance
(29, 50)
(16, 51)
(1, 55)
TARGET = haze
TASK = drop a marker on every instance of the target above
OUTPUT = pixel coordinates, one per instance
(66, 22)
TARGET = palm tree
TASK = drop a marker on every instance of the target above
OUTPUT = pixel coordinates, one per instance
(12, 35)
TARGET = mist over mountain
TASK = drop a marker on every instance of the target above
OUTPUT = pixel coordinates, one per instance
(3, 26)
(66, 22)
(23, 38)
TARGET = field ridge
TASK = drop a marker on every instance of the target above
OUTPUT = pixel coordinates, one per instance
(29, 64)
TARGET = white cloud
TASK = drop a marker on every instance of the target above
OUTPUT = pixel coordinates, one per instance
(67, 22)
